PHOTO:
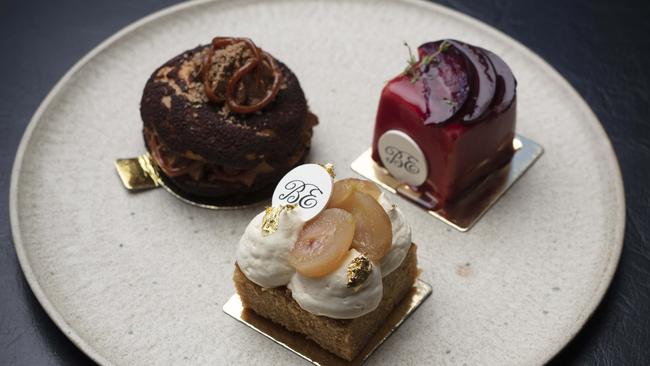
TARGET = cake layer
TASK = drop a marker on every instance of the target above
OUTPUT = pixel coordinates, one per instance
(214, 181)
(343, 337)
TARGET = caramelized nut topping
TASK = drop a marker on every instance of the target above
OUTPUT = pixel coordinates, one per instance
(258, 61)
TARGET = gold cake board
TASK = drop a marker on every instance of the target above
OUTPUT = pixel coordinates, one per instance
(466, 211)
(141, 173)
(308, 349)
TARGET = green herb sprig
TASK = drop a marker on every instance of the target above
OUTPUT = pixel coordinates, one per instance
(426, 60)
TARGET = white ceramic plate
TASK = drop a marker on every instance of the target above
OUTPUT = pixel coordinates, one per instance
(141, 278)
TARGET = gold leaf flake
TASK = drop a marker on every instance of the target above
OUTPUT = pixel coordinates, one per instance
(271, 220)
(330, 169)
(358, 271)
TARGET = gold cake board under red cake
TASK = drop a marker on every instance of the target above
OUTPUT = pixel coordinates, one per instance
(309, 350)
(465, 212)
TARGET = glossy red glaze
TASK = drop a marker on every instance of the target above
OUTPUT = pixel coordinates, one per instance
(459, 153)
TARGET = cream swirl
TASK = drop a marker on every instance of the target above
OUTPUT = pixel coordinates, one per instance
(401, 236)
(329, 295)
(264, 259)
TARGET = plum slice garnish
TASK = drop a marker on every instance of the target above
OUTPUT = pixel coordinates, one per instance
(441, 76)
(506, 83)
(323, 243)
(482, 82)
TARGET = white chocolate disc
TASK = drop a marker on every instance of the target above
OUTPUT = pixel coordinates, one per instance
(403, 158)
(308, 187)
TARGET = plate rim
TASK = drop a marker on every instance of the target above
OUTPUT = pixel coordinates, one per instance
(611, 160)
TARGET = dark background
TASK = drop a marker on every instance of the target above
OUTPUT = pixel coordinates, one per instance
(602, 48)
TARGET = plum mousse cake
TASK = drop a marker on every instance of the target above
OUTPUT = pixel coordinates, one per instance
(225, 119)
(335, 278)
(447, 121)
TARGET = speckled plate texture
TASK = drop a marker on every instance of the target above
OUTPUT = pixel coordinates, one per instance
(140, 279)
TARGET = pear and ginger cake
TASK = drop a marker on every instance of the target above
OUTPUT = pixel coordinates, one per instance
(335, 278)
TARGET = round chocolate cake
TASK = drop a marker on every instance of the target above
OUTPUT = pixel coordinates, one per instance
(225, 120)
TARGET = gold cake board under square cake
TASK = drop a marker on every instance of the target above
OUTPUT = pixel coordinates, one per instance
(309, 350)
(465, 212)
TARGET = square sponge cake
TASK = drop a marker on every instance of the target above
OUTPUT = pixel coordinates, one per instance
(342, 337)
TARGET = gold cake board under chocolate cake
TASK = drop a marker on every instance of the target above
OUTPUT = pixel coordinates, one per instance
(309, 350)
(141, 173)
(465, 212)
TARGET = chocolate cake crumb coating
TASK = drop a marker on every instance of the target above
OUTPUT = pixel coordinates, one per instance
(242, 152)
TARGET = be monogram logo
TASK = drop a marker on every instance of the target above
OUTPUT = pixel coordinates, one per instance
(402, 159)
(297, 192)
(307, 187)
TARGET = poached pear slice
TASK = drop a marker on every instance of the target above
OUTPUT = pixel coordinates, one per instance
(323, 243)
(373, 234)
(343, 189)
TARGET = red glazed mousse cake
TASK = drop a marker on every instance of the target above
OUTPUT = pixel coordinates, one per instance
(453, 112)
